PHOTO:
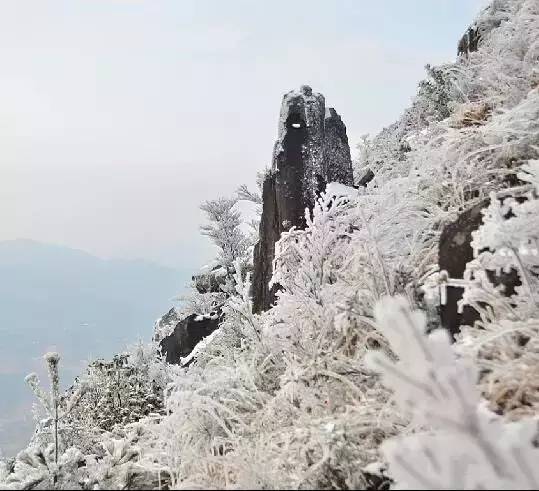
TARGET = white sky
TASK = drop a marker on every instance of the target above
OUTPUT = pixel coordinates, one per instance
(118, 117)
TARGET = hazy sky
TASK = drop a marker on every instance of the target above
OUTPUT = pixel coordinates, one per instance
(118, 117)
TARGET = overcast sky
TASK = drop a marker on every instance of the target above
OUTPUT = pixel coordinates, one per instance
(118, 117)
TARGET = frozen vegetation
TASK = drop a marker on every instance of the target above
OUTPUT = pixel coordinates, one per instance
(348, 381)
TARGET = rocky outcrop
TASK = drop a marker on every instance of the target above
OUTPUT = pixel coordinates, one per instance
(366, 177)
(264, 251)
(178, 334)
(490, 18)
(311, 150)
(454, 253)
(187, 333)
(337, 160)
(469, 42)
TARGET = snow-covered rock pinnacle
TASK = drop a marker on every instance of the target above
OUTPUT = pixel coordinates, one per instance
(311, 150)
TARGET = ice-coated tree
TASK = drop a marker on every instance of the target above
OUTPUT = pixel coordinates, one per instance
(234, 233)
(224, 229)
(56, 408)
(243, 192)
(123, 390)
(49, 465)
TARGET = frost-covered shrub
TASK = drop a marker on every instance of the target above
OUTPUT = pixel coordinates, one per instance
(49, 462)
(490, 82)
(58, 408)
(232, 227)
(459, 444)
(37, 468)
(282, 399)
(91, 433)
(123, 390)
(224, 229)
(505, 341)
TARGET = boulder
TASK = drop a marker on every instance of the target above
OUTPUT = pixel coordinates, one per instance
(366, 177)
(187, 333)
(454, 252)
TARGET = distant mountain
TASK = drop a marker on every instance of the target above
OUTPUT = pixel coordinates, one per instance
(62, 299)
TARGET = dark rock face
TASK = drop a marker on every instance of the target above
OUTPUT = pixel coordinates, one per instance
(376, 482)
(311, 150)
(367, 177)
(469, 42)
(264, 251)
(454, 253)
(336, 150)
(187, 334)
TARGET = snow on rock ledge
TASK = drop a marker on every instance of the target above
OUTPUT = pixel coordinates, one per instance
(338, 190)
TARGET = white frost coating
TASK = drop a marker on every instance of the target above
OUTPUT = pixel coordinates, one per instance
(164, 326)
(219, 272)
(339, 190)
(201, 346)
(209, 267)
(466, 446)
(375, 468)
(212, 315)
